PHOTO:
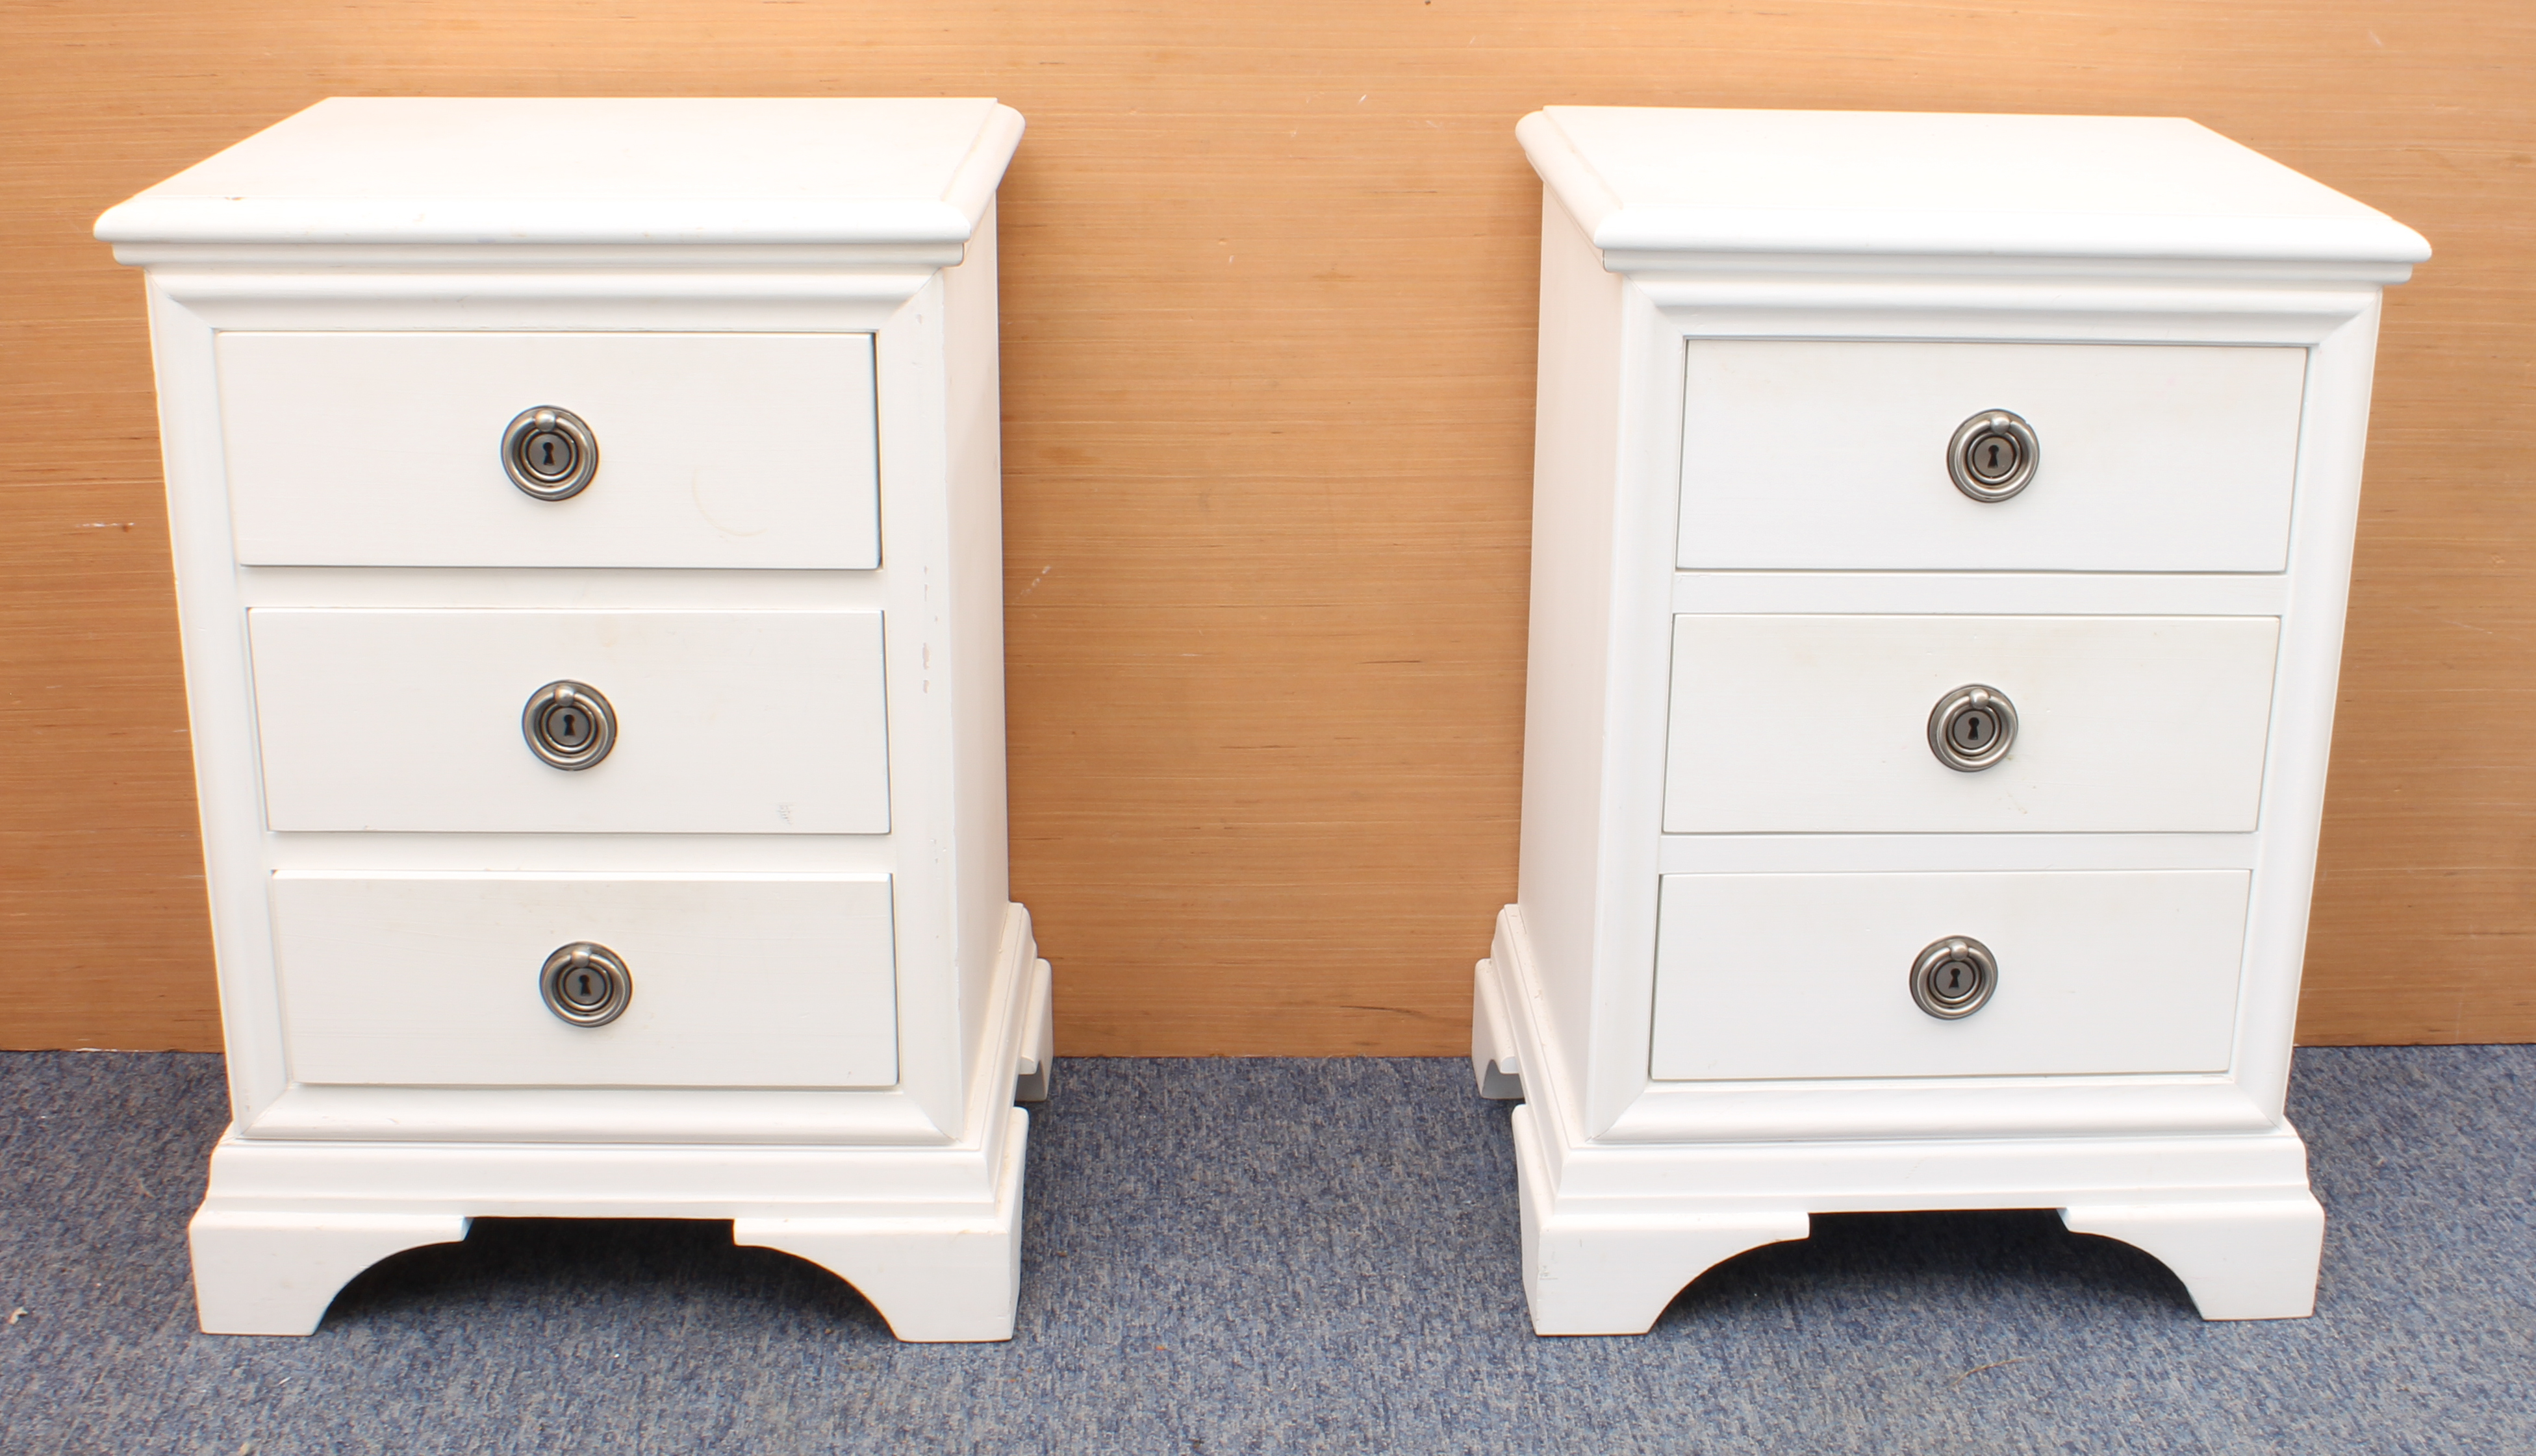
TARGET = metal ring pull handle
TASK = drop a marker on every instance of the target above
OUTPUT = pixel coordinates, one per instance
(569, 724)
(1993, 455)
(586, 984)
(1954, 978)
(1971, 728)
(550, 453)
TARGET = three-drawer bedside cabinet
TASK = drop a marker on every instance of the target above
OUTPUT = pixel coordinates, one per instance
(1941, 531)
(587, 526)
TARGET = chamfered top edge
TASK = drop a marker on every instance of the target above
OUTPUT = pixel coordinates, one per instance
(557, 171)
(1655, 180)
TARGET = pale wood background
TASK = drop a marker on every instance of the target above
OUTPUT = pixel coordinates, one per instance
(1267, 382)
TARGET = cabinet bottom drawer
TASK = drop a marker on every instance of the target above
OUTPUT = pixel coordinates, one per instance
(462, 980)
(1810, 976)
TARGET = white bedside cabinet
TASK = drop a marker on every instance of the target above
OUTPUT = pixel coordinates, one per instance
(588, 554)
(1941, 529)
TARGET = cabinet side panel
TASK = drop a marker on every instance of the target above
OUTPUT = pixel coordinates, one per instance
(220, 708)
(980, 883)
(1575, 465)
(2333, 442)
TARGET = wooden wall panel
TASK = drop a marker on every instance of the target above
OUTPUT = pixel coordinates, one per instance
(1268, 322)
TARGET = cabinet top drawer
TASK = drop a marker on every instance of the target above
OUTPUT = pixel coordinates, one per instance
(705, 450)
(1844, 456)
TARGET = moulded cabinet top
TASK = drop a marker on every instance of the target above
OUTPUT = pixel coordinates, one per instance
(1651, 181)
(676, 171)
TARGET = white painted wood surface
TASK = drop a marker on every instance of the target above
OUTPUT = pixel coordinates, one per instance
(739, 980)
(1819, 455)
(827, 722)
(1755, 330)
(727, 722)
(719, 450)
(618, 173)
(1820, 724)
(1914, 184)
(1795, 975)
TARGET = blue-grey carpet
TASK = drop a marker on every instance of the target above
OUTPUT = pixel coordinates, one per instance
(1274, 1256)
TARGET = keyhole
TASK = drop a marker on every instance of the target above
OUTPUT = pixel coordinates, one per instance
(566, 728)
(549, 457)
(1993, 456)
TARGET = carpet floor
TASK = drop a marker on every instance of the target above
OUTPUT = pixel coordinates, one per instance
(1284, 1256)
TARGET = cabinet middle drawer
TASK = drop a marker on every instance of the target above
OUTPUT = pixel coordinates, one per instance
(1800, 455)
(1903, 725)
(571, 721)
(693, 450)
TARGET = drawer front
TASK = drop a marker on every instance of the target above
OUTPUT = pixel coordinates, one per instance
(1821, 724)
(1802, 455)
(726, 722)
(1808, 975)
(433, 979)
(715, 450)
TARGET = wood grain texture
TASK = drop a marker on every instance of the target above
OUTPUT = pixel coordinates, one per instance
(1268, 303)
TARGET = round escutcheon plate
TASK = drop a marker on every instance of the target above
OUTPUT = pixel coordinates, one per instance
(550, 453)
(586, 984)
(1954, 978)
